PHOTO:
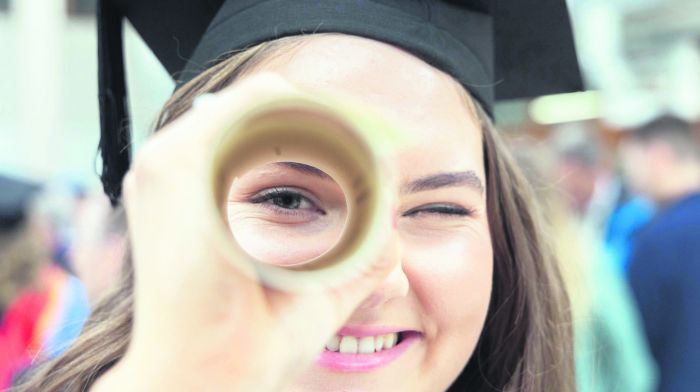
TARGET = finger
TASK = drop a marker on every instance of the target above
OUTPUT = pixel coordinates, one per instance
(214, 112)
(164, 195)
(182, 151)
(178, 267)
(169, 173)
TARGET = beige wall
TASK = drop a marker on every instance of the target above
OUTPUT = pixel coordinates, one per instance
(49, 123)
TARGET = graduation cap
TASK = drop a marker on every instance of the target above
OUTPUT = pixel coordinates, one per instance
(14, 201)
(497, 49)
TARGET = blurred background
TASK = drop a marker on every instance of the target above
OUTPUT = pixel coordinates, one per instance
(61, 140)
(617, 167)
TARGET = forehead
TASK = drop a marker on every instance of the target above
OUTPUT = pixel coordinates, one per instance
(423, 101)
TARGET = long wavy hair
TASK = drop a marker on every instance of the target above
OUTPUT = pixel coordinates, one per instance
(526, 342)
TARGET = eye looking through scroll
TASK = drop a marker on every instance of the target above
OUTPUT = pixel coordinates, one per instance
(286, 213)
(302, 189)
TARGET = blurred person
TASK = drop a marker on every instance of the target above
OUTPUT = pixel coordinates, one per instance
(611, 352)
(582, 172)
(21, 249)
(662, 160)
(632, 213)
(58, 204)
(22, 255)
(98, 246)
(41, 301)
(595, 193)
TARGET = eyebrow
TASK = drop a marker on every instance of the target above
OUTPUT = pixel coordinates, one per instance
(445, 180)
(305, 169)
(436, 181)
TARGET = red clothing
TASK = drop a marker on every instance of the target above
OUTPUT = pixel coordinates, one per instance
(18, 337)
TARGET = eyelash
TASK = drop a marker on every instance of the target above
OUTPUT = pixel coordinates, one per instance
(443, 210)
(276, 193)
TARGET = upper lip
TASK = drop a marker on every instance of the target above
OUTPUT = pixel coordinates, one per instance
(367, 330)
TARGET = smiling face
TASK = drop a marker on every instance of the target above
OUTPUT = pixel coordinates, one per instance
(437, 297)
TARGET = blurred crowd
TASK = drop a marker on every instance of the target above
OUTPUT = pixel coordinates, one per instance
(623, 207)
(61, 248)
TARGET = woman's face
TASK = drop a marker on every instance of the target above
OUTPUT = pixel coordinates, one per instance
(437, 297)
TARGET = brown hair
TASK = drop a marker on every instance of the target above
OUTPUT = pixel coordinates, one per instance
(678, 134)
(526, 343)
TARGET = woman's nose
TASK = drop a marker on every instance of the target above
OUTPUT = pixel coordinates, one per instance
(395, 285)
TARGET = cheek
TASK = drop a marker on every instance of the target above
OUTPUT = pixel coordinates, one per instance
(273, 238)
(284, 246)
(452, 281)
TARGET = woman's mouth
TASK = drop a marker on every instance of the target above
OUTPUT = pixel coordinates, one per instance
(362, 345)
(356, 350)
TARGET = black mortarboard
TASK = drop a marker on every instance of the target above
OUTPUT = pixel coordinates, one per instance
(15, 196)
(496, 49)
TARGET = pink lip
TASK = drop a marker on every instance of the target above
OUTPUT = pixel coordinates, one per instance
(346, 363)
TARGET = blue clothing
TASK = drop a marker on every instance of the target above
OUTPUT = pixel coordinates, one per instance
(623, 223)
(74, 311)
(664, 275)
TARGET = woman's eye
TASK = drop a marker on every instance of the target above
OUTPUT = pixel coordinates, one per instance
(286, 201)
(440, 210)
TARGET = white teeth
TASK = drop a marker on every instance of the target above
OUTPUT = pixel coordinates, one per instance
(378, 343)
(333, 344)
(361, 345)
(366, 345)
(348, 345)
(390, 340)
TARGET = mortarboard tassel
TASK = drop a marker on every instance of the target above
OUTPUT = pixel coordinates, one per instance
(114, 112)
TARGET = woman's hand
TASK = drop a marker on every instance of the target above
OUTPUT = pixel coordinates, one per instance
(200, 323)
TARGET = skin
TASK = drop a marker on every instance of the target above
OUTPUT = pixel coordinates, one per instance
(201, 319)
(641, 166)
(442, 284)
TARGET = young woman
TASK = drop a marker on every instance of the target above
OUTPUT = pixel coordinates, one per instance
(465, 294)
(466, 273)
